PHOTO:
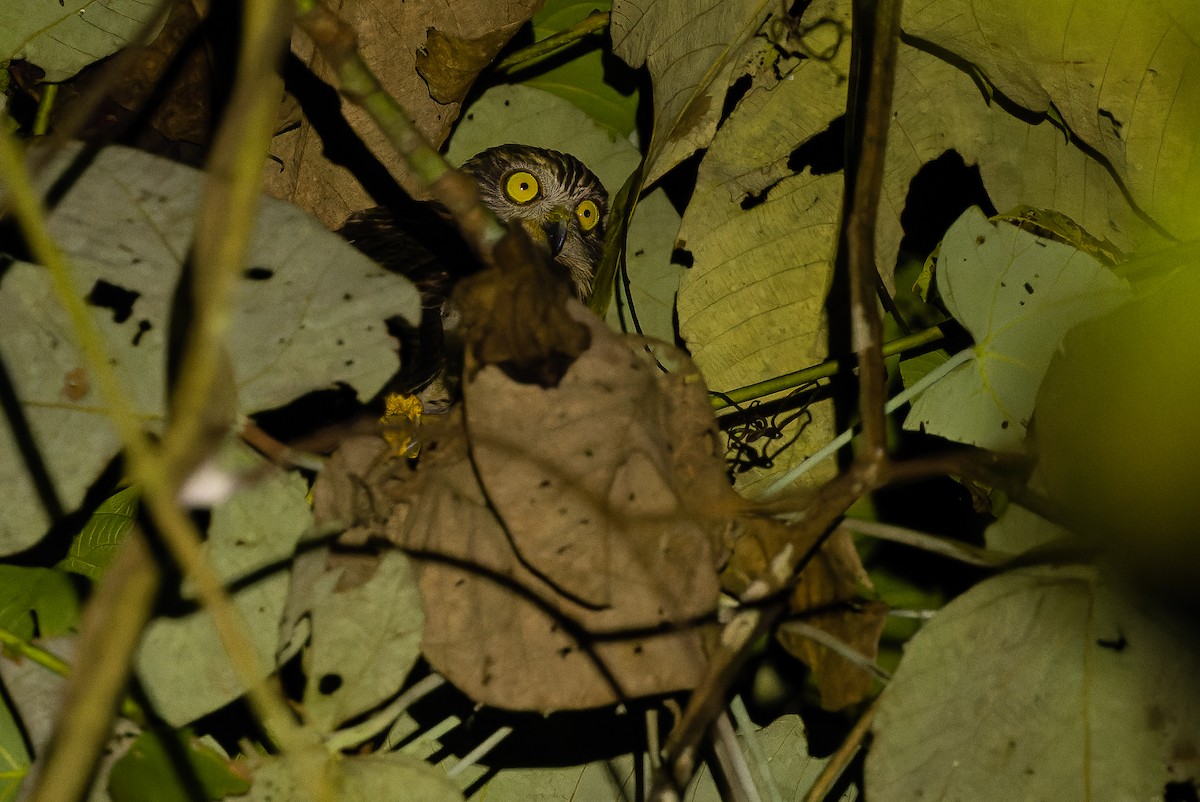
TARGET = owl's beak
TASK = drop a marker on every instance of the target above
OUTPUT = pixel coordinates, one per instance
(556, 232)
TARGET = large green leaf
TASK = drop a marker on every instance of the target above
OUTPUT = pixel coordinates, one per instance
(762, 231)
(126, 225)
(1017, 294)
(147, 772)
(379, 777)
(14, 756)
(581, 79)
(181, 662)
(1044, 683)
(692, 49)
(37, 602)
(1122, 74)
(64, 37)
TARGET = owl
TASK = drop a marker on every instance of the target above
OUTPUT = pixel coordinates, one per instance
(557, 200)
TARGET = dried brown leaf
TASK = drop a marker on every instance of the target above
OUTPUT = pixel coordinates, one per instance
(390, 35)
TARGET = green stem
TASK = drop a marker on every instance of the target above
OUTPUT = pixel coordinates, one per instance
(928, 380)
(528, 56)
(790, 381)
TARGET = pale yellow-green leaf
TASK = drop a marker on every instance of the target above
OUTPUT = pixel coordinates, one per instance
(526, 116)
(693, 50)
(938, 108)
(1124, 75)
(1017, 295)
(1043, 683)
(180, 661)
(763, 240)
(64, 37)
(298, 324)
(365, 636)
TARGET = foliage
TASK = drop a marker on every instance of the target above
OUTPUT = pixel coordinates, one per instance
(581, 549)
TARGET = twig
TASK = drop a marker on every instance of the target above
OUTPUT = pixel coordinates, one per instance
(749, 624)
(474, 756)
(145, 464)
(338, 45)
(527, 56)
(840, 759)
(817, 635)
(733, 762)
(903, 397)
(955, 550)
(830, 367)
(349, 738)
(876, 29)
(766, 780)
(109, 633)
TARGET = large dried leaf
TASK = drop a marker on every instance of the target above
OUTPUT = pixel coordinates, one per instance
(391, 37)
(604, 502)
(692, 51)
(762, 229)
(126, 225)
(602, 482)
(1044, 683)
(1122, 75)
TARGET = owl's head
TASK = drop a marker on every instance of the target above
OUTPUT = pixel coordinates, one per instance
(557, 200)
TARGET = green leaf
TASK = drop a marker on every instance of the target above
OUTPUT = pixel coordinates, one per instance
(95, 545)
(14, 757)
(527, 116)
(1043, 683)
(582, 80)
(694, 50)
(1121, 75)
(366, 633)
(378, 777)
(64, 37)
(1017, 295)
(762, 234)
(37, 602)
(147, 771)
(180, 661)
(128, 222)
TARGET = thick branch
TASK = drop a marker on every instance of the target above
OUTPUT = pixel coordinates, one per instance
(875, 34)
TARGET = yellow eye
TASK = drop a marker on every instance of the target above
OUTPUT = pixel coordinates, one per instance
(521, 186)
(588, 214)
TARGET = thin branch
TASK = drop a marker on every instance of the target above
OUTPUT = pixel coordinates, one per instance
(945, 547)
(595, 22)
(375, 724)
(840, 759)
(830, 367)
(338, 45)
(738, 637)
(111, 627)
(876, 31)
